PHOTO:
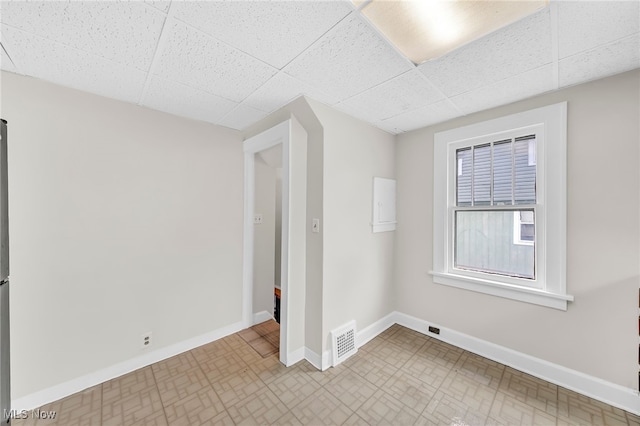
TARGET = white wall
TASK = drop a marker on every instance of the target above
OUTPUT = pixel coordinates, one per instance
(311, 305)
(123, 220)
(358, 264)
(598, 334)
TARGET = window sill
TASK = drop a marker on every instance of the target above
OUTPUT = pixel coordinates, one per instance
(529, 295)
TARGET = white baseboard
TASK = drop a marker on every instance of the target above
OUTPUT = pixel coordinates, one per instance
(70, 387)
(366, 334)
(262, 316)
(313, 358)
(593, 387)
(296, 356)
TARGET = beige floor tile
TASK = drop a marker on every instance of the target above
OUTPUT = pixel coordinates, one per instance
(476, 396)
(390, 331)
(249, 334)
(351, 389)
(355, 420)
(409, 340)
(213, 350)
(321, 377)
(258, 408)
(127, 385)
(198, 408)
(426, 369)
(263, 347)
(371, 368)
(413, 392)
(391, 353)
(293, 387)
(446, 410)
(140, 407)
(530, 390)
(79, 409)
(288, 420)
(574, 408)
(321, 408)
(266, 327)
(218, 368)
(273, 338)
(632, 419)
(234, 341)
(237, 387)
(249, 355)
(441, 353)
(174, 365)
(268, 369)
(383, 409)
(180, 385)
(482, 370)
(508, 410)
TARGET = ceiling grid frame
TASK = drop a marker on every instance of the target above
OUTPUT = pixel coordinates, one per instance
(574, 59)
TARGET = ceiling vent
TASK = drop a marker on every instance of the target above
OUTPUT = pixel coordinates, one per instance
(344, 342)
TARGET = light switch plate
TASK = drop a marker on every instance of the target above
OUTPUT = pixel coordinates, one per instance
(257, 218)
(315, 225)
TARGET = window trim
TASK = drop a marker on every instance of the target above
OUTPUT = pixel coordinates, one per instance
(551, 159)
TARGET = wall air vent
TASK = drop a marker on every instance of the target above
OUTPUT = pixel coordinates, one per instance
(344, 342)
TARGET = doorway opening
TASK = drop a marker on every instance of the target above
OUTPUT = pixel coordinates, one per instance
(266, 272)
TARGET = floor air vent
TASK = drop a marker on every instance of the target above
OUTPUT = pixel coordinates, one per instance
(344, 342)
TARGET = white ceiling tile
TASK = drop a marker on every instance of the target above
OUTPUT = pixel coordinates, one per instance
(64, 65)
(196, 59)
(242, 117)
(404, 93)
(273, 31)
(513, 50)
(352, 111)
(422, 117)
(613, 58)
(5, 62)
(584, 25)
(185, 101)
(349, 59)
(125, 32)
(162, 5)
(513, 89)
(387, 127)
(280, 90)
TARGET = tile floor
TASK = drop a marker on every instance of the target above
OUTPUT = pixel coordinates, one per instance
(400, 377)
(263, 337)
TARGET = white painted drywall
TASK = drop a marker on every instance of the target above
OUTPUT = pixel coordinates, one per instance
(312, 302)
(123, 220)
(598, 334)
(297, 276)
(358, 264)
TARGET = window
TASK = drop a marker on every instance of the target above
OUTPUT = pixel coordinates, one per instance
(500, 207)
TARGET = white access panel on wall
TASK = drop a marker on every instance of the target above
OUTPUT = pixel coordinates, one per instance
(384, 205)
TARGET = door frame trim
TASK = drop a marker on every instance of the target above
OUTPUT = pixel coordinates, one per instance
(278, 134)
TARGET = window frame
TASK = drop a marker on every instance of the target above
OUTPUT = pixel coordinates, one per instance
(549, 287)
(517, 230)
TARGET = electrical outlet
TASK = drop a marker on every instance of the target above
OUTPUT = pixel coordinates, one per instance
(434, 330)
(257, 218)
(147, 340)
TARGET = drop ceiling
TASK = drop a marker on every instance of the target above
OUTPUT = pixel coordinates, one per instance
(232, 63)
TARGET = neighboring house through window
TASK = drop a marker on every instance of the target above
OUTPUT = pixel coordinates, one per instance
(500, 207)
